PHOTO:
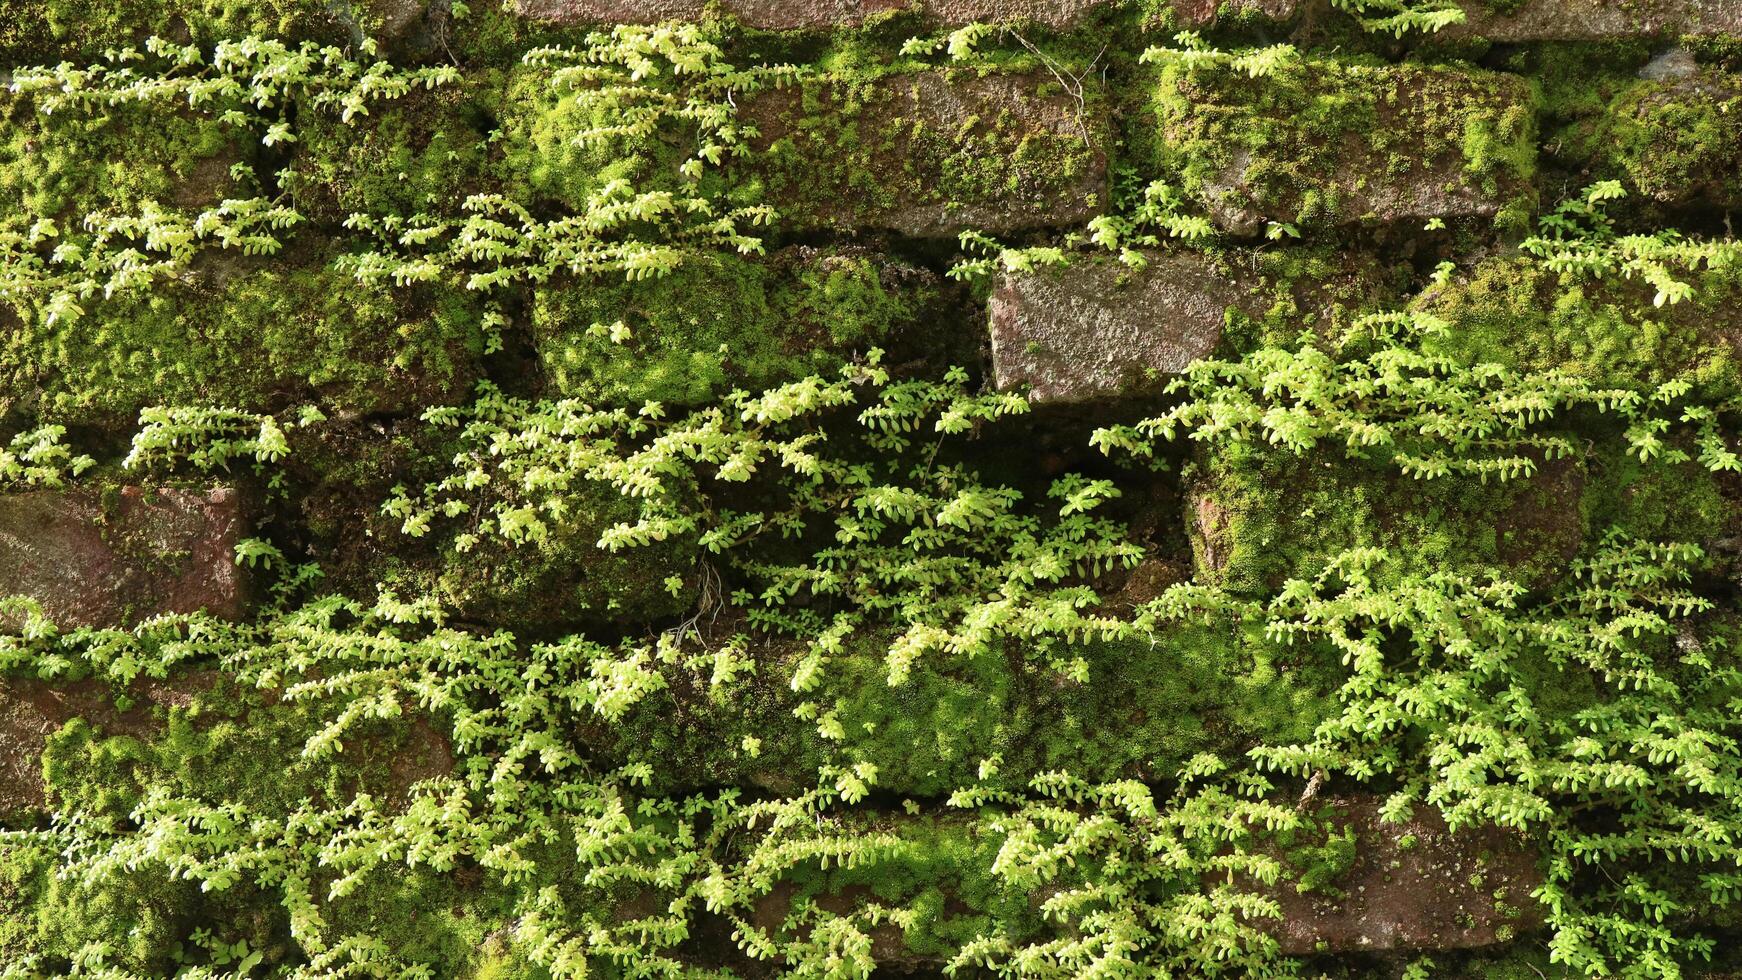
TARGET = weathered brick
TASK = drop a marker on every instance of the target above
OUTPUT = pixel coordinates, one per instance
(1257, 521)
(385, 758)
(1596, 20)
(1679, 140)
(1327, 142)
(92, 558)
(1414, 885)
(784, 15)
(32, 710)
(1096, 329)
(1202, 13)
(931, 153)
(725, 321)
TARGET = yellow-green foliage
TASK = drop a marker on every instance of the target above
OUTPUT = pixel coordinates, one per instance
(1258, 519)
(216, 742)
(252, 334)
(539, 151)
(34, 31)
(66, 166)
(721, 322)
(1513, 311)
(831, 660)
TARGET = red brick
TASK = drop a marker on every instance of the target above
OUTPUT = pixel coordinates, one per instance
(1096, 329)
(92, 559)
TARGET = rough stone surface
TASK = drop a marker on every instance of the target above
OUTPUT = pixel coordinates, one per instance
(397, 17)
(781, 15)
(930, 154)
(1396, 147)
(1678, 136)
(32, 710)
(1201, 13)
(1095, 330)
(1440, 890)
(1677, 62)
(1253, 529)
(96, 559)
(1597, 20)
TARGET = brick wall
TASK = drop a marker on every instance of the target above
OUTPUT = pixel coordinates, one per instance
(1368, 173)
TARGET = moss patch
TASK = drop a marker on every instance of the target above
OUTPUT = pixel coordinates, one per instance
(1258, 519)
(1324, 142)
(251, 334)
(1511, 311)
(1680, 141)
(930, 152)
(1146, 707)
(721, 322)
(46, 31)
(67, 165)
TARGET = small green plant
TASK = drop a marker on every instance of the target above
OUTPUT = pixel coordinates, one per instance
(38, 458)
(248, 82)
(51, 273)
(1400, 17)
(645, 84)
(1325, 863)
(209, 439)
(1430, 414)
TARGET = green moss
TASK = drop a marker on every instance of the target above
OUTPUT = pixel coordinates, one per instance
(926, 151)
(940, 866)
(1679, 141)
(566, 579)
(1259, 518)
(24, 870)
(209, 739)
(1146, 708)
(48, 31)
(1319, 865)
(721, 322)
(538, 129)
(539, 152)
(1577, 79)
(423, 153)
(223, 742)
(427, 918)
(1521, 961)
(138, 916)
(68, 165)
(1658, 500)
(1321, 287)
(250, 334)
(1511, 311)
(1326, 141)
